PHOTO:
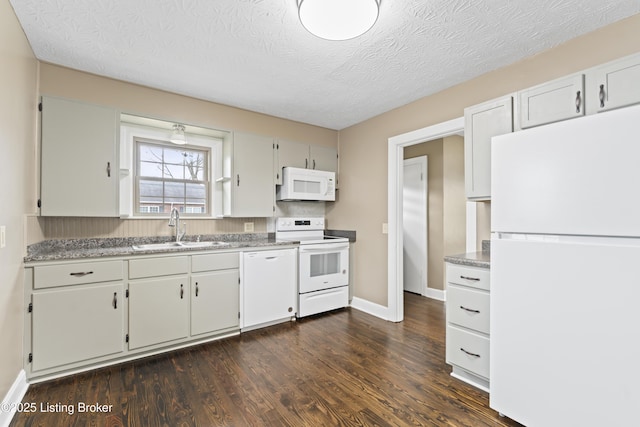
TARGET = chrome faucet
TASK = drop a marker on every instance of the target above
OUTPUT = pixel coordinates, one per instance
(174, 221)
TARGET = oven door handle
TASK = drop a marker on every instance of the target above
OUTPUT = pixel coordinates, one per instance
(324, 247)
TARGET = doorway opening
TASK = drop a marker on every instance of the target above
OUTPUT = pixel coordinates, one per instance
(396, 146)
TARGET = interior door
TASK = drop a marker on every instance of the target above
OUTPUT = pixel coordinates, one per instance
(414, 217)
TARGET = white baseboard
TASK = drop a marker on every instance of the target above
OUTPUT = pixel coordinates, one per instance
(438, 294)
(370, 308)
(13, 397)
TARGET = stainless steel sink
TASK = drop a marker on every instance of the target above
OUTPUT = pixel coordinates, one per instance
(174, 245)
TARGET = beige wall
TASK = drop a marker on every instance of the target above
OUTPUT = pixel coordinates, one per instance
(18, 107)
(135, 99)
(363, 147)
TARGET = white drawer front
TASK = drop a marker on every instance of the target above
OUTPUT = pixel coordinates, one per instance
(49, 276)
(468, 350)
(468, 307)
(153, 267)
(209, 262)
(474, 277)
(321, 301)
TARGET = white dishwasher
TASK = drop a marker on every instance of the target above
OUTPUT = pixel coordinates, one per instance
(269, 287)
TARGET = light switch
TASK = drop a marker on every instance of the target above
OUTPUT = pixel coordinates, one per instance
(385, 228)
(3, 236)
(248, 227)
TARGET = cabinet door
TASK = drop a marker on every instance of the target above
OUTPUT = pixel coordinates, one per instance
(78, 164)
(292, 154)
(253, 184)
(269, 286)
(324, 158)
(77, 323)
(551, 102)
(482, 122)
(614, 84)
(158, 311)
(214, 301)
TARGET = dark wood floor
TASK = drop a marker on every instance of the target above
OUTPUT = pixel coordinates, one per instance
(340, 368)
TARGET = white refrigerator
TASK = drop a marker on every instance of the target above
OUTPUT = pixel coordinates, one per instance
(565, 272)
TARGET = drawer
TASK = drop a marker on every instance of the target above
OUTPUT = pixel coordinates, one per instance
(474, 277)
(468, 350)
(209, 262)
(163, 266)
(468, 307)
(49, 276)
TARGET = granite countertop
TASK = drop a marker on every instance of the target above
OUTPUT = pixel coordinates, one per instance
(50, 250)
(351, 235)
(473, 259)
(70, 249)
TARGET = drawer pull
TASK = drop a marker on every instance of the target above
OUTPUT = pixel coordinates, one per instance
(475, 279)
(469, 353)
(469, 309)
(115, 300)
(181, 291)
(196, 288)
(80, 273)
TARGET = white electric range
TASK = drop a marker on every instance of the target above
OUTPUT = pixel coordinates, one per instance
(323, 264)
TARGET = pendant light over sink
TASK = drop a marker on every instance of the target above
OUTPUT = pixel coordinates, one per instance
(338, 19)
(177, 135)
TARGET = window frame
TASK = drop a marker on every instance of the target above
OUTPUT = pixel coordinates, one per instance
(140, 141)
(132, 127)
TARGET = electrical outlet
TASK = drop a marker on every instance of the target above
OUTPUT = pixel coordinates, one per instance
(248, 227)
(385, 228)
(3, 236)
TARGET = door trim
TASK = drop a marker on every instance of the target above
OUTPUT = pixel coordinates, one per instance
(396, 145)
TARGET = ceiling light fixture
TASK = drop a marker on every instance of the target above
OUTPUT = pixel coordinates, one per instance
(338, 19)
(177, 135)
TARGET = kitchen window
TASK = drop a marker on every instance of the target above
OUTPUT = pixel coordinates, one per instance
(168, 176)
(156, 175)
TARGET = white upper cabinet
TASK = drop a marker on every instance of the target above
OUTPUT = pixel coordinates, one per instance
(252, 183)
(553, 101)
(79, 171)
(323, 158)
(614, 85)
(305, 156)
(482, 122)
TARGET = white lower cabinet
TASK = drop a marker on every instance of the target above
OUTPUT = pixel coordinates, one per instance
(77, 323)
(214, 301)
(81, 314)
(467, 335)
(158, 311)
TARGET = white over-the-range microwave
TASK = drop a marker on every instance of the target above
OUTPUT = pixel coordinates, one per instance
(306, 184)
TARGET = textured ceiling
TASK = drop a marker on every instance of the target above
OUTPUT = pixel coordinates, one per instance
(254, 54)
